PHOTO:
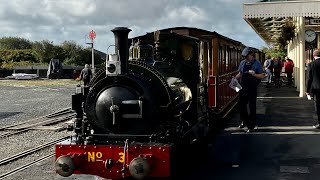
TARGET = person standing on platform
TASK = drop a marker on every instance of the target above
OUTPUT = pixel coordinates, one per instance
(313, 83)
(250, 75)
(268, 65)
(86, 74)
(288, 67)
(277, 68)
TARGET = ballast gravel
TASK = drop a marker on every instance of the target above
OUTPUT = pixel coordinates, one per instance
(22, 103)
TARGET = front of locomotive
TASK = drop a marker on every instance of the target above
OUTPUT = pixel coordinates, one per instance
(125, 99)
(122, 131)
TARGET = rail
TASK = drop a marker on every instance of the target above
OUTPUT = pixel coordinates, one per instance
(5, 175)
(38, 118)
(30, 151)
(46, 120)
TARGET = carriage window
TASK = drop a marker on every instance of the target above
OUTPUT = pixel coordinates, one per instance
(144, 53)
(220, 59)
(187, 51)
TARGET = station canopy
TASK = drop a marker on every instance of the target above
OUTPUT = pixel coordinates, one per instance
(269, 16)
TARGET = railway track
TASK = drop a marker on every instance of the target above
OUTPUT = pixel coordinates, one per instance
(5, 175)
(30, 151)
(38, 118)
(26, 153)
(39, 123)
(10, 133)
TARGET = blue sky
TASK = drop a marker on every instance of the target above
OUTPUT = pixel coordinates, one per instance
(60, 20)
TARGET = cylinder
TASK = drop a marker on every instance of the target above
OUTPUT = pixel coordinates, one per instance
(121, 43)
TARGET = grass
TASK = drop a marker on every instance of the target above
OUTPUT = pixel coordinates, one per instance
(39, 82)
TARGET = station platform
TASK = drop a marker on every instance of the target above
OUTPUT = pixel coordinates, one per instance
(280, 110)
(284, 146)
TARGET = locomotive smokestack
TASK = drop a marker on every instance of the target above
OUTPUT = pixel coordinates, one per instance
(121, 42)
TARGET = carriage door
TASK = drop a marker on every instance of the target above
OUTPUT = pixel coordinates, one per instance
(203, 73)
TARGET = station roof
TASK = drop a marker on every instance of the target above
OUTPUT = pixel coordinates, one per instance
(267, 17)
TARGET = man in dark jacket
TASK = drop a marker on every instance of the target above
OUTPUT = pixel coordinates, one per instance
(313, 83)
(86, 74)
(250, 74)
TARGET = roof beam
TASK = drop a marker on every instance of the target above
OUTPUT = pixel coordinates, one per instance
(281, 9)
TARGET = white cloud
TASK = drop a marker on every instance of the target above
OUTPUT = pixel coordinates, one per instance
(23, 7)
(188, 14)
(60, 20)
(74, 8)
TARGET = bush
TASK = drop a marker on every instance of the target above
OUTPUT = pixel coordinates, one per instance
(10, 65)
(17, 56)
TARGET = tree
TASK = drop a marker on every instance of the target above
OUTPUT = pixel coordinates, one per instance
(273, 52)
(86, 58)
(45, 50)
(287, 34)
(19, 50)
(71, 52)
(13, 43)
(77, 55)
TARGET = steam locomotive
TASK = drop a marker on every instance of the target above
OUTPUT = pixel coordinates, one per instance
(167, 88)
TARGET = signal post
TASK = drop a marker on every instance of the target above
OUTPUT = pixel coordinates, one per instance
(92, 36)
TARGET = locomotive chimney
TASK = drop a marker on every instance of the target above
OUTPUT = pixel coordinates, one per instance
(121, 43)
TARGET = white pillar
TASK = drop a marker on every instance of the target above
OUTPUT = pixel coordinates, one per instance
(296, 63)
(302, 57)
(296, 57)
(318, 41)
(290, 49)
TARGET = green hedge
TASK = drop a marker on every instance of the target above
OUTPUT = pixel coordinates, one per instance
(7, 56)
(9, 65)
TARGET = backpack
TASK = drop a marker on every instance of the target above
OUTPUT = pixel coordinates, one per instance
(268, 64)
(276, 64)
